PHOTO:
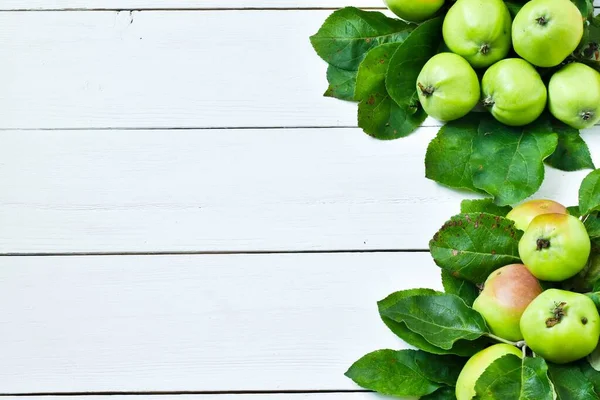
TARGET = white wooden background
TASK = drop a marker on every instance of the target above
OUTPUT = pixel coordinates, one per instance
(183, 214)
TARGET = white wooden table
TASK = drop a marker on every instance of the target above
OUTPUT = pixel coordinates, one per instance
(183, 214)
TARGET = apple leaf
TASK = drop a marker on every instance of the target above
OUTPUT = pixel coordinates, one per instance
(372, 70)
(586, 280)
(445, 393)
(447, 160)
(501, 380)
(514, 7)
(574, 211)
(483, 205)
(408, 60)
(572, 153)
(535, 383)
(378, 115)
(442, 319)
(589, 193)
(462, 347)
(393, 373)
(595, 296)
(348, 34)
(591, 374)
(341, 83)
(570, 383)
(472, 246)
(510, 377)
(593, 359)
(459, 287)
(592, 225)
(507, 162)
(440, 369)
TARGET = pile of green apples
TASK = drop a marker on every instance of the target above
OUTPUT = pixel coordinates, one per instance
(482, 40)
(559, 325)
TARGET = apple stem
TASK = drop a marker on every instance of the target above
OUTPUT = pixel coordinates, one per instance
(524, 348)
(501, 340)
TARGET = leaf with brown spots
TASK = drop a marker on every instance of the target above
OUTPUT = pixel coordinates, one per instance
(378, 115)
(471, 246)
(341, 83)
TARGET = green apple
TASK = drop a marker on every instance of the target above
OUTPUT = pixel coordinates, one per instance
(513, 92)
(561, 326)
(524, 213)
(447, 87)
(545, 32)
(574, 95)
(465, 385)
(555, 247)
(414, 10)
(478, 30)
(506, 294)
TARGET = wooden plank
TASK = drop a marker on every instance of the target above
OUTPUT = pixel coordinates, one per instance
(158, 69)
(164, 69)
(181, 4)
(196, 323)
(225, 190)
(286, 396)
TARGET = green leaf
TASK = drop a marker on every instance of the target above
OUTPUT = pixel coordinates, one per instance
(591, 375)
(472, 246)
(595, 296)
(509, 377)
(462, 347)
(593, 359)
(348, 34)
(378, 115)
(572, 153)
(507, 162)
(448, 156)
(392, 372)
(459, 287)
(408, 60)
(341, 83)
(440, 369)
(514, 7)
(483, 205)
(592, 225)
(587, 279)
(501, 380)
(441, 319)
(589, 193)
(381, 118)
(574, 211)
(570, 383)
(372, 70)
(535, 383)
(445, 393)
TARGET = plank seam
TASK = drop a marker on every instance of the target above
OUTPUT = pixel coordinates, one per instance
(181, 393)
(188, 253)
(186, 9)
(191, 9)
